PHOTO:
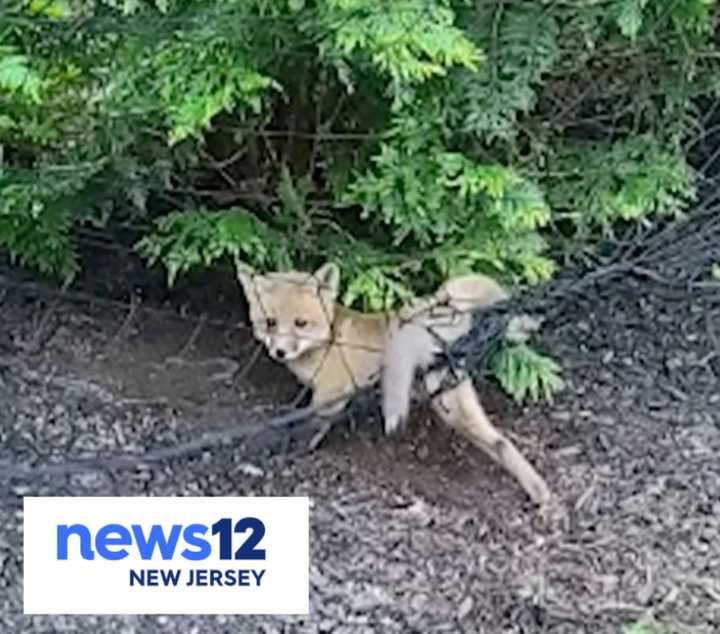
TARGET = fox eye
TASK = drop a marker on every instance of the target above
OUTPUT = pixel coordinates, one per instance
(271, 323)
(300, 323)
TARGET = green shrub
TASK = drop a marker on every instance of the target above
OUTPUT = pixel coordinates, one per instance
(406, 140)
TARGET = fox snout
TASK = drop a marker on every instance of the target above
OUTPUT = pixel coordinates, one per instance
(280, 353)
(284, 348)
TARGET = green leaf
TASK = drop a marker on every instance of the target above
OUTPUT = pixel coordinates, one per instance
(56, 9)
(17, 76)
(184, 240)
(630, 17)
(408, 41)
(130, 7)
(526, 374)
(376, 289)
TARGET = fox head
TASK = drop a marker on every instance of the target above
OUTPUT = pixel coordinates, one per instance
(291, 312)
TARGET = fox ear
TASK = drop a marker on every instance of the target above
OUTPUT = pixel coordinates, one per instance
(246, 274)
(328, 276)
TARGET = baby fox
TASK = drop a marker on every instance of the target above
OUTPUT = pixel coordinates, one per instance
(335, 350)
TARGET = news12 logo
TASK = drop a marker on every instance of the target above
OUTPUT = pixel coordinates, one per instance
(111, 541)
(166, 555)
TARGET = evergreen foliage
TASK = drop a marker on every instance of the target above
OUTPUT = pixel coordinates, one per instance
(406, 140)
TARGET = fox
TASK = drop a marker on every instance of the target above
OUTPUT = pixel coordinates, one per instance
(335, 350)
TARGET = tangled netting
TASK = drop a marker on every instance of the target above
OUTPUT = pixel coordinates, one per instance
(679, 258)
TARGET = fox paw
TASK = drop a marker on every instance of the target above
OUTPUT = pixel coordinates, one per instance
(393, 424)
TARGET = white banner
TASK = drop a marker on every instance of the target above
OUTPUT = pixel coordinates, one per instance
(170, 555)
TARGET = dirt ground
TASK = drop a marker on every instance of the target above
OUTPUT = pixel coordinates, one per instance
(418, 533)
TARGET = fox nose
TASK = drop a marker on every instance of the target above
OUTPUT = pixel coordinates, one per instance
(280, 353)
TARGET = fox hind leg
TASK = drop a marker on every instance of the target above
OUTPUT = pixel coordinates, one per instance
(460, 408)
